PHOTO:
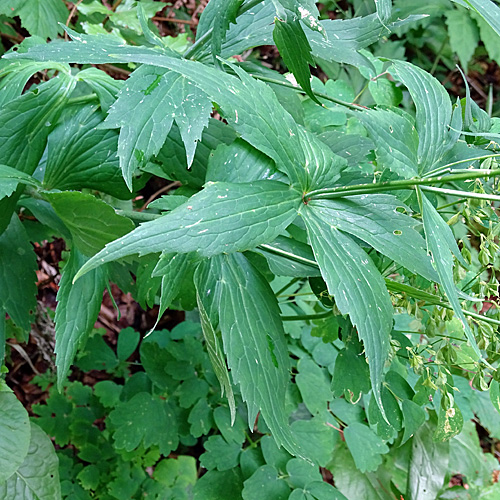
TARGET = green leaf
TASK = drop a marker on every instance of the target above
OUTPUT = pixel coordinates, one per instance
(17, 274)
(254, 343)
(38, 476)
(265, 479)
(88, 159)
(376, 220)
(358, 382)
(495, 395)
(146, 108)
(441, 242)
(385, 92)
(365, 446)
(295, 50)
(77, 309)
(413, 418)
(10, 178)
(358, 288)
(487, 9)
(463, 33)
(313, 386)
(102, 84)
(302, 473)
(223, 217)
(395, 138)
(450, 422)
(92, 222)
(14, 434)
(384, 9)
(146, 420)
(433, 111)
(220, 454)
(215, 485)
(428, 464)
(41, 17)
(128, 340)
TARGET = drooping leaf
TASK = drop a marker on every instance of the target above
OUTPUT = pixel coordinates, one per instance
(78, 306)
(146, 420)
(91, 221)
(365, 446)
(146, 108)
(17, 274)
(223, 217)
(38, 476)
(14, 434)
(254, 343)
(358, 288)
(376, 220)
(441, 243)
(428, 464)
(88, 159)
(433, 111)
(295, 50)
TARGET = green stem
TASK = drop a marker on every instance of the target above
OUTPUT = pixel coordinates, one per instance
(340, 191)
(138, 216)
(457, 192)
(2, 338)
(288, 285)
(444, 168)
(307, 317)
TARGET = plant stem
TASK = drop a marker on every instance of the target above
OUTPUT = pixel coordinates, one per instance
(457, 192)
(340, 191)
(138, 216)
(306, 317)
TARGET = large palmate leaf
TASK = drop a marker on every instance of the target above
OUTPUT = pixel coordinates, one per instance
(88, 158)
(358, 288)
(77, 308)
(222, 218)
(441, 243)
(28, 119)
(262, 122)
(376, 220)
(145, 110)
(14, 434)
(91, 221)
(434, 112)
(17, 274)
(37, 478)
(254, 342)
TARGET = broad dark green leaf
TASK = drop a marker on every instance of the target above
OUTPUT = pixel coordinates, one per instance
(41, 17)
(146, 420)
(265, 479)
(413, 418)
(358, 288)
(223, 217)
(28, 119)
(428, 464)
(91, 221)
(10, 178)
(215, 485)
(441, 243)
(254, 344)
(145, 109)
(487, 9)
(376, 220)
(17, 274)
(220, 454)
(102, 84)
(14, 434)
(295, 50)
(395, 139)
(38, 476)
(433, 112)
(314, 386)
(262, 122)
(77, 309)
(88, 158)
(365, 446)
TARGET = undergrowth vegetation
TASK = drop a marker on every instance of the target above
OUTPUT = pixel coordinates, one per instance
(332, 240)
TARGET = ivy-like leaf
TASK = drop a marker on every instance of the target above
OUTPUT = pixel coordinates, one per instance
(91, 221)
(17, 274)
(77, 309)
(358, 288)
(145, 110)
(88, 158)
(14, 434)
(223, 217)
(38, 475)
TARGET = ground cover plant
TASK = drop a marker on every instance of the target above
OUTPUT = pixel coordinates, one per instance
(332, 240)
